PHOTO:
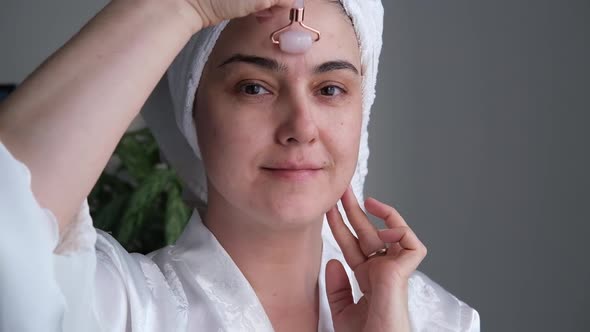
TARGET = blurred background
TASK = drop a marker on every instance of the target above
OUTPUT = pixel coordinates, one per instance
(479, 136)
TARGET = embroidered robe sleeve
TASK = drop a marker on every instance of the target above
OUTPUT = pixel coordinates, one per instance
(432, 308)
(51, 282)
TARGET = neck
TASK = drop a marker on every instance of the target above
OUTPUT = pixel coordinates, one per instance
(281, 265)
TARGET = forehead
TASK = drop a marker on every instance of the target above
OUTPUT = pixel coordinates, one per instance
(251, 35)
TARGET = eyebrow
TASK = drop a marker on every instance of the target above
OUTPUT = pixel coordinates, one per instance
(273, 65)
(335, 65)
(264, 63)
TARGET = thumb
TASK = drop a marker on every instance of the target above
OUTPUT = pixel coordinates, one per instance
(337, 287)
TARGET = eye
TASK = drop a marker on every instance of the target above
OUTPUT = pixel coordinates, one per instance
(331, 91)
(253, 89)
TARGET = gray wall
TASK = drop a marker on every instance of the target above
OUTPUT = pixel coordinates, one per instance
(478, 137)
(30, 30)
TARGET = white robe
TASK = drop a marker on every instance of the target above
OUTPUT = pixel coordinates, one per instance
(83, 280)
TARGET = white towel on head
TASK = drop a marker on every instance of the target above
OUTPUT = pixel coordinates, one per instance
(183, 79)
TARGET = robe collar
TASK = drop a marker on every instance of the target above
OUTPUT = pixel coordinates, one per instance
(215, 276)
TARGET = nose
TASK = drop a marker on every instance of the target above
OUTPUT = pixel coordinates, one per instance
(298, 125)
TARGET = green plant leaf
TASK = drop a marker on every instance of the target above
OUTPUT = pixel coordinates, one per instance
(140, 200)
(138, 153)
(148, 190)
(111, 212)
(177, 214)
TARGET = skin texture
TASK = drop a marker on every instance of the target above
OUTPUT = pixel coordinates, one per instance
(252, 116)
(249, 117)
(382, 279)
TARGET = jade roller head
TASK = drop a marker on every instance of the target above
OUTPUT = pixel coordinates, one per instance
(295, 41)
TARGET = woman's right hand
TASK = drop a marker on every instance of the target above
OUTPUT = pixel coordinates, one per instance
(215, 11)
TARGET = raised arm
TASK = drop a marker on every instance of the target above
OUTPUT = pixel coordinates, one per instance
(66, 118)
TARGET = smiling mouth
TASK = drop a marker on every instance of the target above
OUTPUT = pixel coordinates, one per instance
(292, 174)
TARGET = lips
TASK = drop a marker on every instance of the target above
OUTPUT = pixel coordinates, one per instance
(293, 171)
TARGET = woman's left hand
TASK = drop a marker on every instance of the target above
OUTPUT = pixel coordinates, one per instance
(383, 278)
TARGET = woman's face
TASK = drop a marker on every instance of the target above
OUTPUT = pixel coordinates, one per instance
(279, 133)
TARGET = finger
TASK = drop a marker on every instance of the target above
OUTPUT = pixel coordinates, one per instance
(213, 12)
(394, 249)
(263, 5)
(347, 242)
(365, 231)
(402, 235)
(264, 13)
(412, 250)
(387, 213)
(338, 288)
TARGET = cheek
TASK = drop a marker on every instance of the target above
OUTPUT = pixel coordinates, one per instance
(228, 139)
(342, 138)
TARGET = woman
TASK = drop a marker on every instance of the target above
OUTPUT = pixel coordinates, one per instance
(281, 137)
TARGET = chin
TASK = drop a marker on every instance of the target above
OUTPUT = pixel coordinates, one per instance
(293, 211)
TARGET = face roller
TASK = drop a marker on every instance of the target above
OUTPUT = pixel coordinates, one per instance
(295, 41)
